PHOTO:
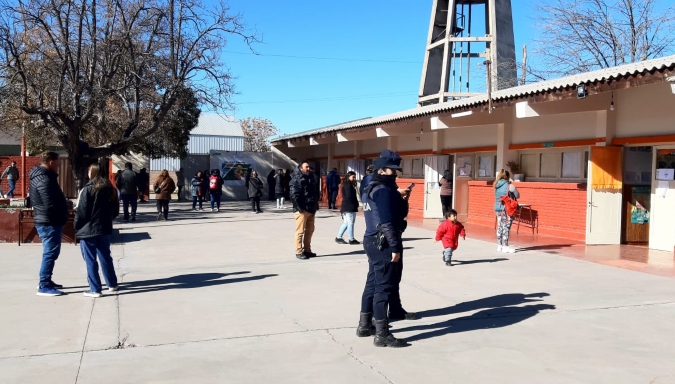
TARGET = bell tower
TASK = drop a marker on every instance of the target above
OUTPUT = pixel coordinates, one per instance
(465, 37)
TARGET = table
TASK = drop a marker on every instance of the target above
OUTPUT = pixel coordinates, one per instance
(518, 216)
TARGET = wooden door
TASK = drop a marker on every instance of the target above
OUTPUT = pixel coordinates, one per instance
(636, 208)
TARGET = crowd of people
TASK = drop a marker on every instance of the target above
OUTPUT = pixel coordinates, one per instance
(385, 209)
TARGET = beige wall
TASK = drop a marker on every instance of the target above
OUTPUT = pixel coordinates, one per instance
(645, 111)
(373, 146)
(661, 224)
(470, 137)
(570, 126)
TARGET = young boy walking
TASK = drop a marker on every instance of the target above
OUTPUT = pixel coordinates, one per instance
(449, 232)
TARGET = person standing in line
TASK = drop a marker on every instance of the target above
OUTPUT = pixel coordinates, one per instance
(317, 182)
(164, 187)
(348, 209)
(385, 210)
(127, 186)
(50, 213)
(255, 191)
(445, 183)
(305, 204)
(216, 190)
(333, 185)
(366, 180)
(143, 179)
(206, 176)
(196, 185)
(247, 178)
(449, 232)
(271, 185)
(279, 188)
(97, 206)
(12, 173)
(118, 183)
(180, 183)
(504, 187)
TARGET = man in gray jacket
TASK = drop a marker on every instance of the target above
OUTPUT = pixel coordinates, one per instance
(12, 174)
(128, 188)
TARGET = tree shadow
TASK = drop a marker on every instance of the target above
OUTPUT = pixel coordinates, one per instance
(505, 300)
(468, 262)
(189, 281)
(485, 319)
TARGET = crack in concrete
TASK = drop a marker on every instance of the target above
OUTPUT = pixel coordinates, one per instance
(84, 343)
(350, 353)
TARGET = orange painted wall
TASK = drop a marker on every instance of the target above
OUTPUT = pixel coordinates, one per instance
(560, 208)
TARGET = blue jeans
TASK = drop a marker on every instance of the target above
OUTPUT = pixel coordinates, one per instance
(381, 280)
(347, 225)
(51, 248)
(12, 185)
(215, 200)
(194, 201)
(332, 197)
(447, 254)
(126, 201)
(99, 245)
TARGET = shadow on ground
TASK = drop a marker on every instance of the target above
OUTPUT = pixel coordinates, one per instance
(359, 251)
(479, 261)
(505, 300)
(195, 280)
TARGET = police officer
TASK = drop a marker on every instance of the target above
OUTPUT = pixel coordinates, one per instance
(385, 209)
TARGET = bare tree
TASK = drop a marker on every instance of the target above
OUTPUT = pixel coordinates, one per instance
(100, 77)
(584, 35)
(257, 134)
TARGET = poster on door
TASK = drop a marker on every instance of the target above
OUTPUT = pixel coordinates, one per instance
(640, 203)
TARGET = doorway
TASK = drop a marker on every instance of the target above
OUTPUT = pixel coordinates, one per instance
(637, 185)
(434, 167)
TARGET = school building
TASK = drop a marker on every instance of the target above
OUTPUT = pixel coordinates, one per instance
(597, 153)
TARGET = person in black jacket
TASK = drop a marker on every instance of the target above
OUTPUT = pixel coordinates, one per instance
(385, 210)
(50, 213)
(279, 181)
(348, 208)
(143, 180)
(128, 191)
(255, 191)
(97, 206)
(305, 205)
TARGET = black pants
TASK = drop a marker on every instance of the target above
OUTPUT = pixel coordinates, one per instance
(194, 201)
(381, 280)
(255, 203)
(129, 200)
(332, 197)
(446, 201)
(163, 207)
(180, 192)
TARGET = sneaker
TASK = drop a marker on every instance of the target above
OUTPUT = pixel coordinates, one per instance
(92, 294)
(217, 209)
(340, 240)
(309, 254)
(354, 242)
(133, 219)
(448, 263)
(201, 210)
(159, 217)
(126, 220)
(508, 250)
(212, 210)
(499, 248)
(53, 285)
(194, 210)
(114, 289)
(49, 291)
(260, 211)
(302, 256)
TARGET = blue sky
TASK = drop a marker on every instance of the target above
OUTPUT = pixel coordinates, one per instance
(381, 44)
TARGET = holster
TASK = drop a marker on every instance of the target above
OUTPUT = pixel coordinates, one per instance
(381, 239)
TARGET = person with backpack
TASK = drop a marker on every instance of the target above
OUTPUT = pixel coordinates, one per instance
(196, 191)
(215, 190)
(504, 189)
(333, 185)
(255, 188)
(96, 208)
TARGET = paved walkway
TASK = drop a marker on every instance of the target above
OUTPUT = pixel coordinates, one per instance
(220, 298)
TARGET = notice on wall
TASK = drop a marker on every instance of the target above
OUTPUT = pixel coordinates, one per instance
(661, 188)
(640, 203)
(665, 164)
(233, 166)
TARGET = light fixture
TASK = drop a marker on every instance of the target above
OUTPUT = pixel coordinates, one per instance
(421, 131)
(461, 114)
(611, 106)
(581, 91)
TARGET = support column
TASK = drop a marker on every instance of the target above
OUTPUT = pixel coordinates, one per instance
(504, 155)
(437, 141)
(358, 149)
(392, 143)
(605, 127)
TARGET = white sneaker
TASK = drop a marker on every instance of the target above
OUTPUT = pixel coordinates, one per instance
(113, 289)
(212, 209)
(499, 248)
(508, 250)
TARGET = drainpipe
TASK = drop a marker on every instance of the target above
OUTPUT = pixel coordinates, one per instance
(23, 161)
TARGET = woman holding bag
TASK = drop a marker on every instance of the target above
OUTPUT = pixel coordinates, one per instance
(164, 187)
(504, 187)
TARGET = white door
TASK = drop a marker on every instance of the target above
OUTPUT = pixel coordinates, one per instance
(603, 213)
(434, 166)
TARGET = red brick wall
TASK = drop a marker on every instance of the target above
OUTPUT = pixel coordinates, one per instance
(31, 161)
(559, 208)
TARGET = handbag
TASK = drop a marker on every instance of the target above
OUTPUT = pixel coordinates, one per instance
(158, 189)
(510, 203)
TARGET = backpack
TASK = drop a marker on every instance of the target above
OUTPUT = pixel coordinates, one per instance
(510, 203)
(213, 183)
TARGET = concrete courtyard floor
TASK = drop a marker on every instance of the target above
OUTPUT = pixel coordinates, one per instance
(220, 298)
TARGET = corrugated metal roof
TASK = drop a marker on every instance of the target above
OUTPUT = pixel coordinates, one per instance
(214, 124)
(320, 130)
(601, 75)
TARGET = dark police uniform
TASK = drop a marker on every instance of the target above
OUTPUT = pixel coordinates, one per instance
(385, 211)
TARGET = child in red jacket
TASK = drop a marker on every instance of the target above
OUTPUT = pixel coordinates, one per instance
(449, 231)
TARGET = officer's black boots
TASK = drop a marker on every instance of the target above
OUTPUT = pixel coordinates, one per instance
(365, 327)
(403, 316)
(384, 338)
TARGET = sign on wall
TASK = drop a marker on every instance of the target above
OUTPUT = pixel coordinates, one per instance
(233, 166)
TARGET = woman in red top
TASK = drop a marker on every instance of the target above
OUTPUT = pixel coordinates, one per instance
(449, 231)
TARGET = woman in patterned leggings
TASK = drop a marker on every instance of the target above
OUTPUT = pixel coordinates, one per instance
(504, 186)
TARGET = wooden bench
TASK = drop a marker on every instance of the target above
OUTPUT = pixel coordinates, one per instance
(27, 221)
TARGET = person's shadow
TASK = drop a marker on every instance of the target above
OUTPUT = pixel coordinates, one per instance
(486, 319)
(505, 300)
(195, 280)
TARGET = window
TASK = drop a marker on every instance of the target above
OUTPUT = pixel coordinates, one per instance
(555, 164)
(412, 167)
(342, 167)
(530, 164)
(571, 165)
(550, 165)
(486, 166)
(418, 167)
(465, 165)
